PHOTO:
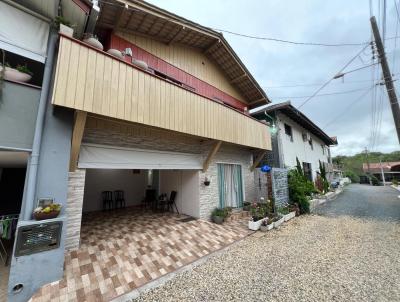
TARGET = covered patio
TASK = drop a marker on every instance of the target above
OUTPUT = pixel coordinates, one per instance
(125, 249)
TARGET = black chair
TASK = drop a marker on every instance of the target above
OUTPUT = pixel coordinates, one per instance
(149, 199)
(171, 202)
(119, 199)
(108, 203)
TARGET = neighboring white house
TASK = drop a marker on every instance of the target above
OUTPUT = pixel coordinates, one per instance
(295, 135)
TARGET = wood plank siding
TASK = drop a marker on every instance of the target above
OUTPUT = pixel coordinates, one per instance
(93, 81)
(189, 61)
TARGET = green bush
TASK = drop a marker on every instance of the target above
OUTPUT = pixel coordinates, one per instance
(395, 182)
(220, 212)
(353, 176)
(374, 180)
(299, 190)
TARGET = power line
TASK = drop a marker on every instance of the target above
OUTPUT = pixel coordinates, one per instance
(348, 107)
(327, 83)
(318, 95)
(288, 41)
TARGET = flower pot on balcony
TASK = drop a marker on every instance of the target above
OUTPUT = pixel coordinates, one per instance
(139, 63)
(12, 74)
(66, 30)
(93, 42)
(116, 53)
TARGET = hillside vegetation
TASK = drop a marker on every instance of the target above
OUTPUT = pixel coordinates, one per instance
(352, 165)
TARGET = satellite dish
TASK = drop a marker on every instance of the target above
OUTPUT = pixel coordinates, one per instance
(265, 168)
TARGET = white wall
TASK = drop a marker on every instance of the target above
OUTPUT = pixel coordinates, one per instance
(98, 180)
(298, 147)
(186, 183)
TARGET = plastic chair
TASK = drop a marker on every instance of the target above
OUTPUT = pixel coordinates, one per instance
(119, 199)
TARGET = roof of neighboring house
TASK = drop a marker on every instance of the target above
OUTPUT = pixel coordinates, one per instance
(289, 110)
(140, 17)
(376, 167)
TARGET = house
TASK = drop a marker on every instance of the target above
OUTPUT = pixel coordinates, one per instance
(162, 106)
(387, 170)
(294, 135)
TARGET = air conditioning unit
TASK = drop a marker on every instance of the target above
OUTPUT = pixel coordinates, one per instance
(306, 136)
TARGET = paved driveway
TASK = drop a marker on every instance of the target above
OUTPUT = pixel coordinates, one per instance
(349, 253)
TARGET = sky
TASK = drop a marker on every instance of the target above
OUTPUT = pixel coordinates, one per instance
(366, 122)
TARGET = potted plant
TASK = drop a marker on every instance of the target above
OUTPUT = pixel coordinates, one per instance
(19, 74)
(64, 26)
(257, 216)
(92, 41)
(47, 212)
(218, 215)
(279, 220)
(266, 225)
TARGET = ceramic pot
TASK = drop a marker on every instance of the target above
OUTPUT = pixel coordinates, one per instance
(139, 63)
(66, 30)
(116, 53)
(93, 42)
(218, 219)
(12, 74)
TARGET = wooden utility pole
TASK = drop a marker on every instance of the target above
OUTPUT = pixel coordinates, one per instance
(387, 76)
(367, 159)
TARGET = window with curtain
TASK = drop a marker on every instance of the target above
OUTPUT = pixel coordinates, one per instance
(230, 185)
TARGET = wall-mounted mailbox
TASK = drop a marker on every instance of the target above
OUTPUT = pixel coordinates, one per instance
(38, 238)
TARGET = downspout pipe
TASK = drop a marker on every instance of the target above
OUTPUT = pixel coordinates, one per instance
(33, 163)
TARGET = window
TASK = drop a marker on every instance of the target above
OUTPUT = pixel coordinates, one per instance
(307, 170)
(323, 149)
(288, 132)
(311, 144)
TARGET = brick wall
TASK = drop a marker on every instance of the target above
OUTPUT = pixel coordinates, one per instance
(73, 210)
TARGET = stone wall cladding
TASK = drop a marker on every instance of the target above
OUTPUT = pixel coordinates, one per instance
(73, 210)
(169, 141)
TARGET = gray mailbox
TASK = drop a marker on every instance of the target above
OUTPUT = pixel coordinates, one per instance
(38, 238)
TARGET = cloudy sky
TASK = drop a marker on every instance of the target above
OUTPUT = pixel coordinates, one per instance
(308, 67)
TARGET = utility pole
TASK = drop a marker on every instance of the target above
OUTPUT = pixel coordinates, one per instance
(382, 174)
(387, 76)
(369, 171)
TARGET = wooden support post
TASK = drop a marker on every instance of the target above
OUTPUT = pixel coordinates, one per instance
(258, 160)
(77, 134)
(210, 156)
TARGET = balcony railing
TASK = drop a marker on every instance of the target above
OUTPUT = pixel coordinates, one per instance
(93, 81)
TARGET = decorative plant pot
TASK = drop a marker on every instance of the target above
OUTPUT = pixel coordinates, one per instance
(66, 30)
(263, 228)
(270, 226)
(279, 222)
(93, 42)
(12, 74)
(43, 216)
(116, 53)
(217, 219)
(289, 216)
(139, 63)
(255, 225)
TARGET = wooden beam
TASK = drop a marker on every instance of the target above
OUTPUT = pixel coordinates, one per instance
(120, 16)
(257, 101)
(210, 156)
(176, 35)
(258, 160)
(238, 78)
(77, 134)
(208, 49)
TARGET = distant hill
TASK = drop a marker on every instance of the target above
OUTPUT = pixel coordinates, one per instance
(352, 165)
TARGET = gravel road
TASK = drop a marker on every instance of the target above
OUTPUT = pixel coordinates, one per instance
(332, 257)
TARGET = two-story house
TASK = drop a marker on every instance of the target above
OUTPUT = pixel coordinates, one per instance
(294, 135)
(157, 104)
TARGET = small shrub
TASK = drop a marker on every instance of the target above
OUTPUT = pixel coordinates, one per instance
(395, 182)
(219, 212)
(374, 180)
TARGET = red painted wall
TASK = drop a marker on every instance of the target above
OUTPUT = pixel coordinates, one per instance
(201, 87)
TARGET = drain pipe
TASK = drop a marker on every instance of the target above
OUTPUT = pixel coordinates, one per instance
(37, 138)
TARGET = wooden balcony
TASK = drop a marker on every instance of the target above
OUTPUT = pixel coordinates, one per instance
(93, 81)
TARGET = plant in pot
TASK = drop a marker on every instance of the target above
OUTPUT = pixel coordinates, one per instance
(266, 225)
(257, 216)
(92, 40)
(47, 212)
(218, 215)
(279, 219)
(64, 26)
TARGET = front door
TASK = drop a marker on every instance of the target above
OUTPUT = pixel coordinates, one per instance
(230, 185)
